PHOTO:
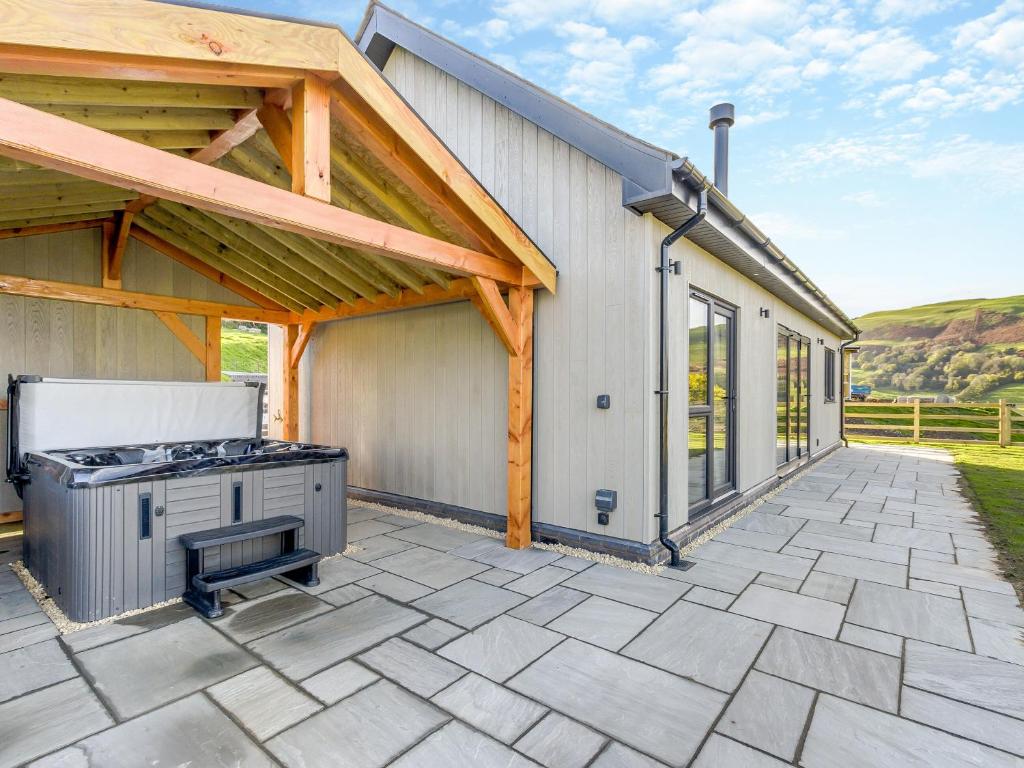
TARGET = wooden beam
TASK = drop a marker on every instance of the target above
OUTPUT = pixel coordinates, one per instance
(488, 300)
(520, 422)
(184, 334)
(290, 385)
(311, 138)
(90, 294)
(11, 517)
(118, 243)
(279, 129)
(305, 334)
(47, 229)
(245, 126)
(29, 89)
(106, 256)
(37, 137)
(459, 290)
(212, 361)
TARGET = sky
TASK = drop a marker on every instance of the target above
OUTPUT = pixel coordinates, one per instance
(879, 143)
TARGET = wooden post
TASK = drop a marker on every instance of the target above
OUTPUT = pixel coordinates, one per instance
(311, 138)
(213, 349)
(520, 421)
(917, 420)
(290, 388)
(107, 279)
(1005, 434)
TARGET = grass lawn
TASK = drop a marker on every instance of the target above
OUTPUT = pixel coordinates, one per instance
(244, 352)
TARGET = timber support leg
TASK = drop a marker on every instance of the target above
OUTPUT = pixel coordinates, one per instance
(520, 421)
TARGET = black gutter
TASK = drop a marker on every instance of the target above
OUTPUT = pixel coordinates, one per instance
(664, 268)
(842, 395)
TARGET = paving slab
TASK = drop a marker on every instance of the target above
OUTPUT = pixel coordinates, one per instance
(774, 524)
(395, 587)
(458, 745)
(768, 713)
(398, 520)
(778, 582)
(828, 586)
(603, 622)
(807, 614)
(17, 602)
(566, 678)
(145, 671)
(435, 536)
(960, 575)
(859, 568)
(548, 605)
(469, 603)
(973, 723)
(522, 561)
(769, 542)
(840, 530)
(989, 605)
(630, 587)
(535, 582)
(369, 550)
(571, 563)
(707, 573)
(848, 735)
(984, 682)
(429, 567)
(344, 595)
(710, 646)
(337, 682)
(905, 612)
(433, 634)
(873, 639)
(90, 637)
(886, 553)
(709, 597)
(501, 648)
(497, 577)
(935, 588)
(492, 708)
(367, 730)
(617, 755)
(255, 618)
(49, 719)
(845, 670)
(558, 742)
(998, 640)
(21, 638)
(745, 557)
(421, 671)
(367, 528)
(324, 640)
(933, 541)
(720, 752)
(263, 702)
(337, 572)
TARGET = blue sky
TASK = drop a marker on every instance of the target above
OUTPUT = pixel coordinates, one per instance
(880, 143)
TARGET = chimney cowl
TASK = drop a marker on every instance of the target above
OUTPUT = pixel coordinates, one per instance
(720, 119)
(724, 113)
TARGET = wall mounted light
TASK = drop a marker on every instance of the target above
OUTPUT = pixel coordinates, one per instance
(765, 312)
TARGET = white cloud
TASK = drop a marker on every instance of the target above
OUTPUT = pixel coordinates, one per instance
(758, 118)
(783, 226)
(865, 199)
(887, 56)
(998, 35)
(602, 65)
(904, 10)
(1001, 165)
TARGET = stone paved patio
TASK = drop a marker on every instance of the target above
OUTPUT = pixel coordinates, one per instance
(855, 620)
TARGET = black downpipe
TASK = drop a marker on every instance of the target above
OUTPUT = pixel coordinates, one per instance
(666, 266)
(842, 394)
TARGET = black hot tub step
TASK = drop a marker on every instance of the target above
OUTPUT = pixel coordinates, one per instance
(229, 534)
(286, 564)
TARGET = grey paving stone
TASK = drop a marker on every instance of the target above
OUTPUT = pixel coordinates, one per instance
(933, 541)
(630, 587)
(869, 550)
(706, 573)
(17, 603)
(469, 603)
(905, 612)
(744, 557)
(709, 597)
(337, 572)
(720, 752)
(960, 575)
(603, 622)
(778, 582)
(565, 680)
(713, 647)
(558, 742)
(571, 563)
(324, 640)
(770, 509)
(807, 554)
(807, 614)
(401, 522)
(433, 634)
(357, 514)
(769, 542)
(430, 567)
(335, 683)
(872, 639)
(762, 523)
(345, 595)
(21, 638)
(859, 568)
(369, 550)
(255, 618)
(35, 666)
(806, 511)
(47, 720)
(493, 709)
(828, 586)
(263, 702)
(368, 528)
(395, 587)
(989, 605)
(366, 730)
(522, 561)
(853, 673)
(548, 605)
(848, 735)
(620, 756)
(458, 745)
(998, 640)
(935, 588)
(841, 530)
(422, 672)
(497, 577)
(477, 548)
(190, 732)
(768, 713)
(925, 554)
(535, 582)
(501, 647)
(989, 728)
(877, 516)
(435, 536)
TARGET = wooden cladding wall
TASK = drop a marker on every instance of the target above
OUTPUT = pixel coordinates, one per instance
(58, 338)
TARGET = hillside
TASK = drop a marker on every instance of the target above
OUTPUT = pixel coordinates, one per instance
(972, 349)
(243, 352)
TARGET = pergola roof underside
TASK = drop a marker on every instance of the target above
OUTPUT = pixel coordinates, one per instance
(297, 272)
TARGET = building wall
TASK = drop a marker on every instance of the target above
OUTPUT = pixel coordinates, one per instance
(66, 339)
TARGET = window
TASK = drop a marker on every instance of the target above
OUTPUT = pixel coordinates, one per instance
(830, 375)
(792, 395)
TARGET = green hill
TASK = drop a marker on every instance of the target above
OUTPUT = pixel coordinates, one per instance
(972, 349)
(243, 351)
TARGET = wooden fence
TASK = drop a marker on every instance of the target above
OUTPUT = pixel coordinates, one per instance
(999, 423)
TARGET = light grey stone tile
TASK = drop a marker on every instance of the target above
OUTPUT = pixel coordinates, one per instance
(853, 673)
(713, 647)
(769, 542)
(337, 572)
(147, 670)
(501, 647)
(12, 641)
(395, 587)
(522, 561)
(535, 582)
(335, 683)
(366, 730)
(619, 756)
(493, 709)
(720, 752)
(828, 586)
(935, 588)
(807, 614)
(548, 605)
(369, 550)
(877, 516)
(744, 557)
(571, 563)
(709, 597)
(435, 536)
(808, 512)
(968, 541)
(469, 603)
(430, 567)
(905, 612)
(367, 529)
(320, 642)
(565, 680)
(603, 622)
(768, 713)
(47, 720)
(358, 514)
(630, 587)
(17, 603)
(925, 554)
(885, 553)
(778, 582)
(23, 622)
(433, 634)
(989, 605)
(345, 595)
(263, 702)
(707, 573)
(477, 548)
(497, 577)
(399, 520)
(558, 742)
(981, 560)
(260, 588)
(410, 666)
(255, 618)
(859, 568)
(775, 524)
(872, 639)
(807, 554)
(840, 530)
(456, 745)
(998, 640)
(932, 541)
(847, 735)
(770, 509)
(996, 730)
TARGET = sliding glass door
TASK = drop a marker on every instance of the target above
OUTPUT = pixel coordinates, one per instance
(793, 395)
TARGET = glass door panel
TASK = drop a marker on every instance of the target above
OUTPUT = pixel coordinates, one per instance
(722, 399)
(698, 316)
(782, 399)
(792, 395)
(697, 457)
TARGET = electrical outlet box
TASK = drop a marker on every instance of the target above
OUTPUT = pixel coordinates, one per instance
(605, 500)
(602, 518)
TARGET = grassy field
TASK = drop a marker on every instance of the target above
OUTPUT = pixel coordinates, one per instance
(938, 315)
(241, 351)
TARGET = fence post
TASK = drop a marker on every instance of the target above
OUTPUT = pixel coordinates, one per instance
(917, 419)
(1004, 424)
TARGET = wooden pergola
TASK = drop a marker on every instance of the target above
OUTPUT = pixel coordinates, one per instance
(269, 156)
